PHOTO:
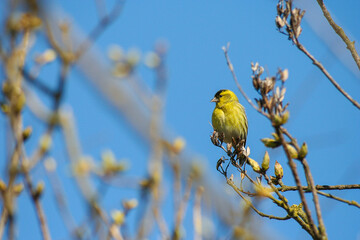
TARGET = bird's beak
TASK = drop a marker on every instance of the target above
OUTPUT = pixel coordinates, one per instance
(215, 99)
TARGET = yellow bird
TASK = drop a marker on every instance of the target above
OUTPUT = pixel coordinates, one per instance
(229, 118)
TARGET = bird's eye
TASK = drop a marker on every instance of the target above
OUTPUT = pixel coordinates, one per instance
(220, 95)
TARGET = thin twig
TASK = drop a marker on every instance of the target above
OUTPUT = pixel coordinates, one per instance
(319, 187)
(182, 207)
(39, 209)
(350, 45)
(230, 183)
(161, 222)
(326, 73)
(352, 203)
(231, 67)
(61, 203)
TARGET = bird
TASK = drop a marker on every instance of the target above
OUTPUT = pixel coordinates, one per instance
(229, 119)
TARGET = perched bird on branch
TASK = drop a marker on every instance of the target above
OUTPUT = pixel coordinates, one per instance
(229, 120)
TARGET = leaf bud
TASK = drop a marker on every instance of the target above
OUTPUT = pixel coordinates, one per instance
(130, 204)
(18, 188)
(279, 172)
(266, 161)
(118, 217)
(255, 166)
(285, 117)
(277, 121)
(27, 133)
(39, 189)
(271, 143)
(2, 186)
(303, 151)
(292, 151)
(45, 142)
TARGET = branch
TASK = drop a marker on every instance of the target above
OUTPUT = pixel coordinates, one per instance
(326, 73)
(231, 67)
(38, 207)
(230, 183)
(353, 203)
(308, 175)
(319, 187)
(294, 171)
(99, 29)
(339, 31)
(3, 220)
(197, 214)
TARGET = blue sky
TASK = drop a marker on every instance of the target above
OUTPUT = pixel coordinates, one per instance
(195, 32)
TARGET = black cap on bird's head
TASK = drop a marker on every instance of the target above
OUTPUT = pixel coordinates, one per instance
(218, 95)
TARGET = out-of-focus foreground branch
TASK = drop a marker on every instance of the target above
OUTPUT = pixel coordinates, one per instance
(24, 91)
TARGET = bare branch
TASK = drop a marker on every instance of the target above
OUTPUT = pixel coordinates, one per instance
(352, 203)
(230, 183)
(231, 67)
(339, 31)
(319, 187)
(327, 74)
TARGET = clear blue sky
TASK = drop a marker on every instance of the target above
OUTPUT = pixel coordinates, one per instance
(195, 32)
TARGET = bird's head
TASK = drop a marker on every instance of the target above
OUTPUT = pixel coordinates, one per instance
(223, 97)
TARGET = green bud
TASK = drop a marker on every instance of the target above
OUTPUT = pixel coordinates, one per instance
(27, 133)
(45, 142)
(2, 186)
(5, 108)
(275, 136)
(18, 188)
(292, 151)
(266, 161)
(118, 217)
(20, 103)
(271, 143)
(39, 189)
(130, 204)
(7, 89)
(255, 166)
(303, 151)
(279, 172)
(285, 117)
(277, 121)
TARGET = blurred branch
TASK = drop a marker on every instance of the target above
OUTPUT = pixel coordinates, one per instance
(3, 219)
(197, 219)
(36, 193)
(339, 31)
(180, 213)
(61, 200)
(103, 23)
(37, 83)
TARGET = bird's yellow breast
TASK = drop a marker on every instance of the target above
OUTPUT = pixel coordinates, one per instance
(230, 119)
